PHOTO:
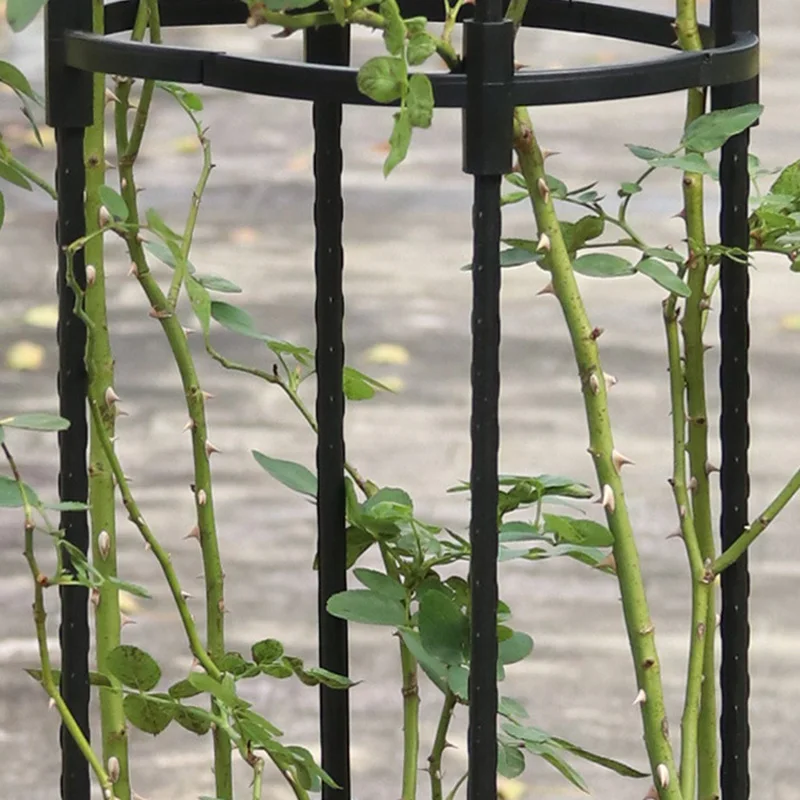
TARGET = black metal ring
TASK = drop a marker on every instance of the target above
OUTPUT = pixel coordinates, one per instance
(715, 66)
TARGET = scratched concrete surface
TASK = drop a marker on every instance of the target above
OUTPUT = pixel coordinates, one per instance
(406, 239)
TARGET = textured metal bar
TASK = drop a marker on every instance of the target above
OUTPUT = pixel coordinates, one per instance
(734, 478)
(330, 45)
(485, 435)
(728, 18)
(73, 476)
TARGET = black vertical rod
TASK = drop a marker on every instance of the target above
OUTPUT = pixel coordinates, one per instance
(727, 18)
(330, 46)
(73, 477)
(485, 434)
(487, 135)
(69, 111)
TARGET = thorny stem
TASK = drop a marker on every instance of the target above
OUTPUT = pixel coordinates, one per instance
(102, 502)
(701, 589)
(752, 532)
(439, 744)
(181, 267)
(688, 33)
(636, 612)
(297, 401)
(195, 401)
(410, 723)
(39, 619)
(357, 16)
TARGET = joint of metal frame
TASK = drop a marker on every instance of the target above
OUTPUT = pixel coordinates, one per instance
(729, 17)
(68, 91)
(487, 126)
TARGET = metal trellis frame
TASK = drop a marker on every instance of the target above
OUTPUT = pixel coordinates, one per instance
(487, 90)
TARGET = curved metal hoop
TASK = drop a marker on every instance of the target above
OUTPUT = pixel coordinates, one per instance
(715, 66)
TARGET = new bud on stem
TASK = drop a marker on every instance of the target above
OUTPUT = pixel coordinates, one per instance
(103, 544)
(662, 773)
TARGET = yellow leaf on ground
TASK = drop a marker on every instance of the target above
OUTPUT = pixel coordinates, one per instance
(388, 353)
(791, 322)
(186, 144)
(243, 235)
(510, 789)
(25, 355)
(42, 316)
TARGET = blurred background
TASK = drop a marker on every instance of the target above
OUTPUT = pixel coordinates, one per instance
(407, 323)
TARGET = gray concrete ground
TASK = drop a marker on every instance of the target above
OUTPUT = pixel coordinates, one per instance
(406, 239)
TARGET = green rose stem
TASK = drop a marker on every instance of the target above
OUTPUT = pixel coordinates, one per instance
(355, 16)
(688, 35)
(128, 147)
(637, 616)
(439, 744)
(100, 366)
(40, 582)
(410, 721)
(701, 587)
(291, 392)
(763, 520)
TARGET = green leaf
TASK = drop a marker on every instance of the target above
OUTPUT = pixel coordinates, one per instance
(200, 301)
(223, 692)
(399, 141)
(420, 100)
(431, 666)
(564, 767)
(133, 667)
(183, 689)
(665, 254)
(20, 13)
(576, 234)
(95, 678)
(235, 319)
(147, 714)
(12, 175)
(328, 678)
(421, 46)
(514, 649)
(628, 189)
(645, 153)
(67, 505)
(691, 162)
(297, 477)
(169, 255)
(2, 209)
(358, 386)
(367, 607)
(712, 130)
(443, 628)
(788, 182)
(389, 503)
(113, 203)
(233, 663)
(158, 226)
(458, 681)
(510, 760)
(603, 761)
(602, 265)
(511, 709)
(215, 283)
(192, 718)
(36, 422)
(12, 77)
(394, 34)
(583, 532)
(513, 197)
(382, 78)
(380, 583)
(358, 542)
(663, 276)
(266, 651)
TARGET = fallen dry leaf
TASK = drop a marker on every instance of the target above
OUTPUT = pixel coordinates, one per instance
(25, 356)
(42, 316)
(388, 353)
